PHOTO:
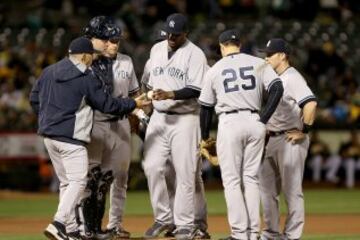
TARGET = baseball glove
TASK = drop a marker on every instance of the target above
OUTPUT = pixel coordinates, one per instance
(208, 151)
(134, 123)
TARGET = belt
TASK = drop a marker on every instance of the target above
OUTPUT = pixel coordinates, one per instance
(275, 134)
(242, 109)
(172, 113)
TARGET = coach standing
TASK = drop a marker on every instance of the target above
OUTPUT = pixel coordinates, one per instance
(63, 98)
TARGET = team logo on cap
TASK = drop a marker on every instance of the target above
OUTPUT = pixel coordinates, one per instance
(233, 36)
(172, 24)
(268, 43)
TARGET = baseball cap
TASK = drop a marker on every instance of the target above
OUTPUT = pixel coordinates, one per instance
(229, 35)
(276, 45)
(81, 45)
(176, 23)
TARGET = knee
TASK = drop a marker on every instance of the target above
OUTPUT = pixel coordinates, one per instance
(152, 168)
(120, 178)
(251, 179)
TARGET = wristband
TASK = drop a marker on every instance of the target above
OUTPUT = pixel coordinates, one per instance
(306, 128)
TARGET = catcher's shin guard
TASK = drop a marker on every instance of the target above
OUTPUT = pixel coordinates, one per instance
(86, 210)
(103, 188)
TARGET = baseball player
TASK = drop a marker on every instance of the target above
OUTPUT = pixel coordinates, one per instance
(200, 202)
(62, 98)
(110, 146)
(234, 86)
(285, 153)
(177, 68)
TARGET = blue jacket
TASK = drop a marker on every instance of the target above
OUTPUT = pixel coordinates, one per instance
(63, 98)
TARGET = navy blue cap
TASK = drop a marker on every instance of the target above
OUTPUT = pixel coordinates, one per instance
(81, 45)
(229, 35)
(176, 23)
(276, 45)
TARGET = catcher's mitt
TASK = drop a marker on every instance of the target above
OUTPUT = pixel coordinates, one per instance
(134, 123)
(208, 151)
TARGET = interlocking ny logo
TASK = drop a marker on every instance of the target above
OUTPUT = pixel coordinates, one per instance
(172, 24)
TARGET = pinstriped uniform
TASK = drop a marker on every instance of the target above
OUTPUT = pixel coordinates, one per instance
(174, 131)
(283, 165)
(235, 86)
(110, 139)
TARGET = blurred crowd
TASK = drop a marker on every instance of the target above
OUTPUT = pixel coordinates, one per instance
(324, 35)
(341, 167)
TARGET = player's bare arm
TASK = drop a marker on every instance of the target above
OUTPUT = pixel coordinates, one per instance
(309, 111)
(160, 94)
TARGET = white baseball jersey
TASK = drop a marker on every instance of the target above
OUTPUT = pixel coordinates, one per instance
(125, 81)
(231, 85)
(284, 161)
(288, 113)
(110, 140)
(146, 74)
(185, 68)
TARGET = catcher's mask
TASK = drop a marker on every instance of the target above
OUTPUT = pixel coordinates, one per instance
(102, 27)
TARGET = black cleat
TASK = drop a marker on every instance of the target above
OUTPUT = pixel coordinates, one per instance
(56, 231)
(158, 228)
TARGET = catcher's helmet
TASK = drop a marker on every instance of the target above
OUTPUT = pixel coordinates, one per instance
(102, 27)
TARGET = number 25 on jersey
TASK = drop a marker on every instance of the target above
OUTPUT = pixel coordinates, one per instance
(230, 74)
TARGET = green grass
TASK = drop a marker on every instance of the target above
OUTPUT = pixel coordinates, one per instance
(21, 237)
(138, 203)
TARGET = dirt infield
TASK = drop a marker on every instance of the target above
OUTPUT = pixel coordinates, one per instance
(315, 224)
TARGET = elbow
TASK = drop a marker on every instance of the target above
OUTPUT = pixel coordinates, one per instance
(279, 89)
(311, 106)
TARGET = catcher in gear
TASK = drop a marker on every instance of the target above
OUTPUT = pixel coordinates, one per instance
(110, 146)
(208, 150)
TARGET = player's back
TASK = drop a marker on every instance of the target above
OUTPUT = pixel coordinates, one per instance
(238, 81)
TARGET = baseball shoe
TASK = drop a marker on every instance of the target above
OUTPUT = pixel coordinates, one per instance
(284, 237)
(158, 228)
(56, 231)
(185, 234)
(202, 234)
(262, 237)
(229, 238)
(102, 235)
(170, 233)
(118, 233)
(76, 235)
